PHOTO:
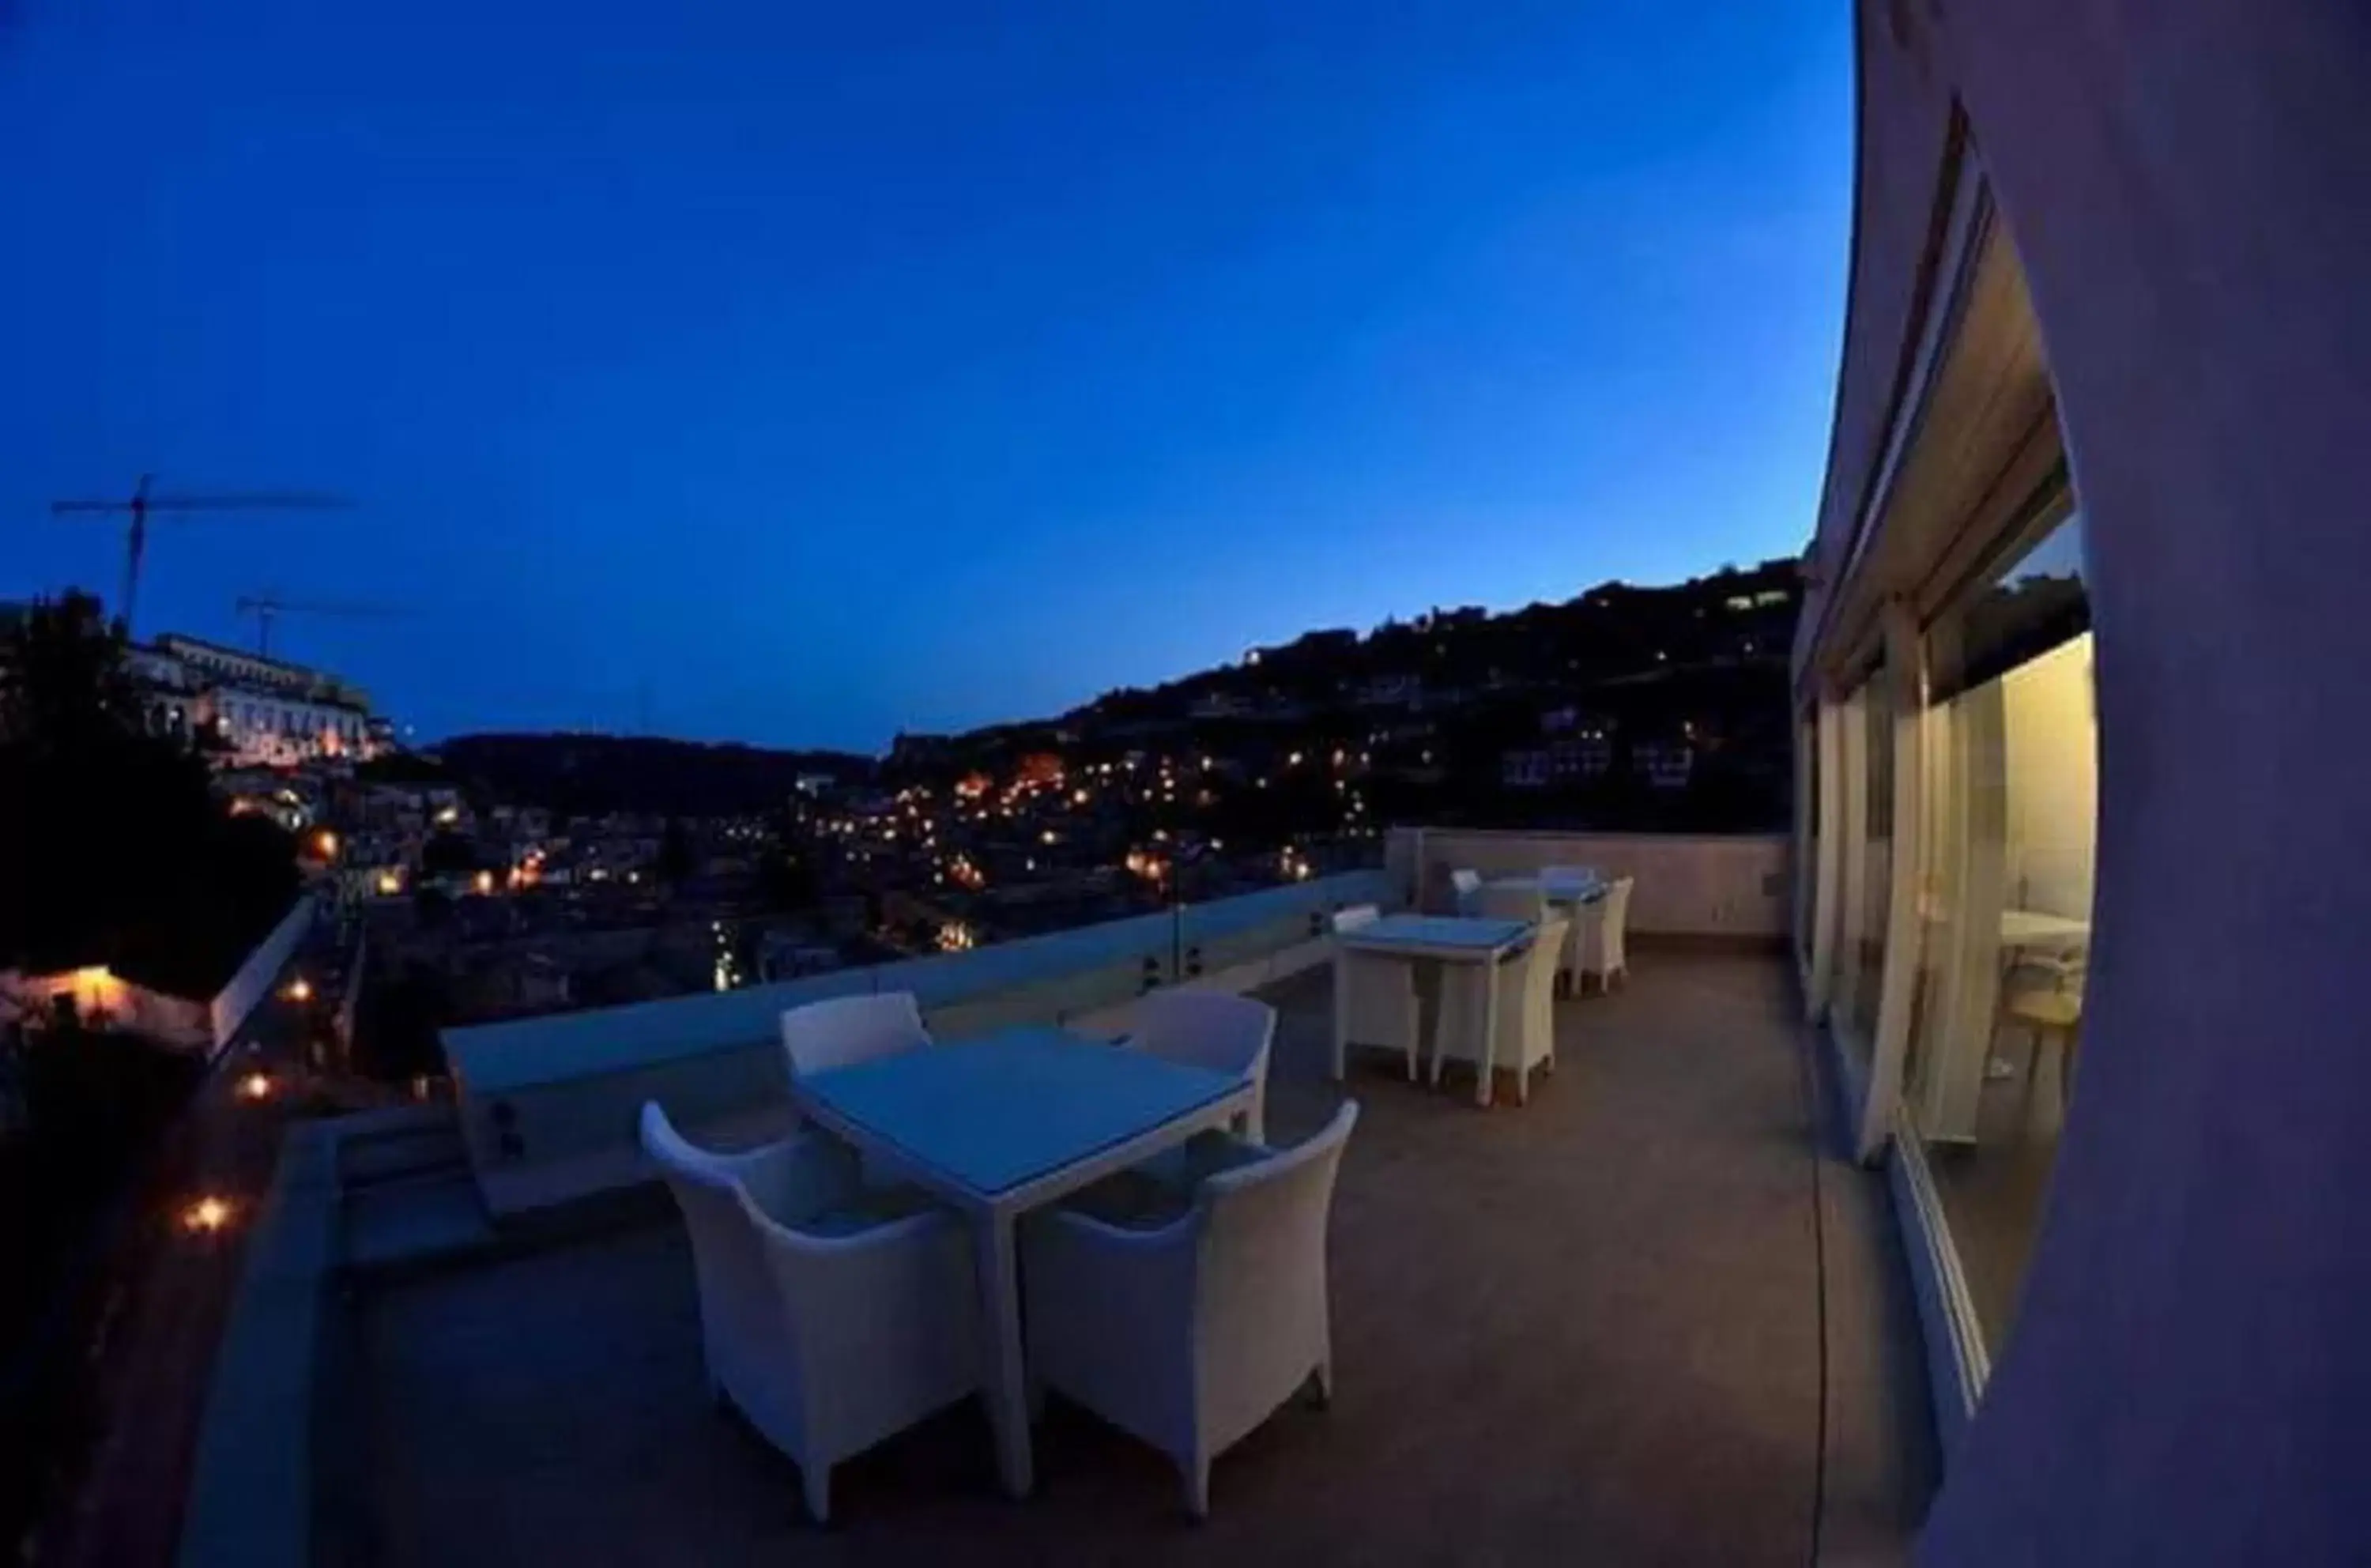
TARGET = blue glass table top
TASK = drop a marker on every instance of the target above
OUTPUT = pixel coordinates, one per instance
(1437, 932)
(1000, 1110)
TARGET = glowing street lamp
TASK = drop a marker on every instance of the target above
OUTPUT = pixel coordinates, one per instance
(256, 1086)
(299, 990)
(208, 1216)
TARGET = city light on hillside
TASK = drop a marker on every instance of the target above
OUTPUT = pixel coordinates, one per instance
(299, 990)
(256, 1086)
(485, 881)
(326, 844)
(389, 884)
(207, 1216)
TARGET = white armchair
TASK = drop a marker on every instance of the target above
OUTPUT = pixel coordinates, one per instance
(1526, 1034)
(826, 1327)
(1375, 994)
(1225, 1033)
(1191, 1335)
(1595, 944)
(848, 1029)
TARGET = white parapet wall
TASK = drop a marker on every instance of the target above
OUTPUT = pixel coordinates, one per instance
(549, 1104)
(253, 981)
(1719, 885)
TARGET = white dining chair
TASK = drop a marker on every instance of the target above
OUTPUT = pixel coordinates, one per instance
(1190, 1335)
(1596, 940)
(1526, 1022)
(845, 1030)
(1224, 1032)
(1376, 993)
(1463, 886)
(826, 1327)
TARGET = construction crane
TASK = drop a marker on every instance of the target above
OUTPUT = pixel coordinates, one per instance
(145, 503)
(264, 606)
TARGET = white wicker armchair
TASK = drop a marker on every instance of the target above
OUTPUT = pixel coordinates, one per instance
(1191, 1335)
(1526, 1037)
(1375, 993)
(1594, 946)
(1225, 1033)
(826, 1327)
(848, 1029)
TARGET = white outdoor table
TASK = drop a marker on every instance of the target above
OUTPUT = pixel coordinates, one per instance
(1555, 890)
(1444, 938)
(999, 1125)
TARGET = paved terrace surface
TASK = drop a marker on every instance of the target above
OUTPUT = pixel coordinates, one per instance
(1589, 1329)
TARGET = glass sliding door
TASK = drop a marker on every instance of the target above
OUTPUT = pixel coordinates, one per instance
(1866, 884)
(1806, 839)
(2009, 820)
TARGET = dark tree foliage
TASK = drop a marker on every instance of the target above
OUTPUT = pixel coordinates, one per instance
(113, 850)
(396, 1022)
(403, 767)
(598, 774)
(113, 847)
(447, 854)
(675, 853)
(786, 881)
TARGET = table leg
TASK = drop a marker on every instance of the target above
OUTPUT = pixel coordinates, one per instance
(1488, 970)
(1008, 1402)
(1341, 1010)
(1443, 980)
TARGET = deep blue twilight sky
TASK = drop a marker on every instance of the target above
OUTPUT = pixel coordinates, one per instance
(821, 369)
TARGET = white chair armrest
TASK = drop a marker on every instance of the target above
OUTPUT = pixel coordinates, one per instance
(799, 1178)
(1069, 1235)
(886, 1322)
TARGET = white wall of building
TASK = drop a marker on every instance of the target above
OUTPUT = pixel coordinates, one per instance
(2052, 766)
(1705, 885)
(268, 728)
